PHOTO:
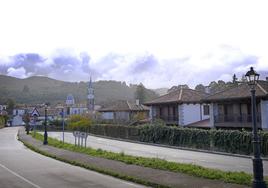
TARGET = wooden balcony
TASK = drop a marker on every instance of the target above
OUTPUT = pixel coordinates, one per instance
(170, 120)
(235, 120)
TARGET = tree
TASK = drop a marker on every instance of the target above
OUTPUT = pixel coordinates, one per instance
(200, 87)
(10, 106)
(140, 93)
(79, 122)
(174, 88)
(234, 79)
(25, 89)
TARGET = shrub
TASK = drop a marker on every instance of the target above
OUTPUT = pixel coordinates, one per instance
(232, 141)
(79, 122)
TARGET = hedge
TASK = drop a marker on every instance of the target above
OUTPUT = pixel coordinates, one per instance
(231, 141)
(2, 122)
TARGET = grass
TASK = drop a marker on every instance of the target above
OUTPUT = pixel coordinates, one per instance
(190, 169)
(100, 170)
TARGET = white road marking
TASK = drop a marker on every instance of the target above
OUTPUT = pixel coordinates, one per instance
(19, 176)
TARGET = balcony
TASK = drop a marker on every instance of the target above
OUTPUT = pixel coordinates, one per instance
(235, 120)
(168, 119)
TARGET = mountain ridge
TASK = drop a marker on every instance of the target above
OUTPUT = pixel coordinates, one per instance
(41, 89)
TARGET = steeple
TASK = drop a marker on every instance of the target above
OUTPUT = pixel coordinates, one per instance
(90, 97)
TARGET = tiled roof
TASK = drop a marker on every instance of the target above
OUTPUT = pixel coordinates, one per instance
(241, 91)
(50, 111)
(182, 95)
(124, 106)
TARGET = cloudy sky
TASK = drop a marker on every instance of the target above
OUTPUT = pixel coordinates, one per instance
(160, 43)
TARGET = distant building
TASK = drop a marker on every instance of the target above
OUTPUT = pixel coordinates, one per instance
(124, 111)
(17, 120)
(70, 100)
(3, 109)
(19, 111)
(90, 97)
(71, 108)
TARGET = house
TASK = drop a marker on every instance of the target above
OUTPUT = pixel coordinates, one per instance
(124, 111)
(76, 109)
(71, 108)
(17, 121)
(232, 108)
(181, 106)
(3, 109)
(19, 111)
(52, 113)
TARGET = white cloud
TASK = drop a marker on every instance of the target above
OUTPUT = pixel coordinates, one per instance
(19, 73)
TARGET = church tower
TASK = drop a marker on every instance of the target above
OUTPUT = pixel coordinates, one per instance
(90, 97)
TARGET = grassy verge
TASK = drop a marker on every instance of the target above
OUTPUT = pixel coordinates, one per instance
(190, 169)
(100, 170)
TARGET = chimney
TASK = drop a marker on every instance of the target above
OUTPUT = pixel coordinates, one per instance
(137, 102)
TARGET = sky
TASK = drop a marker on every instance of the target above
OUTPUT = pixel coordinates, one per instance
(160, 43)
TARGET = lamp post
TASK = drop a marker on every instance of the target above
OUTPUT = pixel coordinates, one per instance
(45, 134)
(62, 116)
(252, 79)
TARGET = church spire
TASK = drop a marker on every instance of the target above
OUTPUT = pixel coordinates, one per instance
(90, 97)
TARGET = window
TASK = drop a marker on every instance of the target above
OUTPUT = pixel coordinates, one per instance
(206, 110)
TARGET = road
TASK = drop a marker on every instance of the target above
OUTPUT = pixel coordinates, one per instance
(23, 168)
(222, 162)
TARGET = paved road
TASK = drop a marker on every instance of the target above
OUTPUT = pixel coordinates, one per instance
(20, 167)
(227, 163)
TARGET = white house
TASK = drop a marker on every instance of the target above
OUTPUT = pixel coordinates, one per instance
(17, 120)
(19, 111)
(180, 107)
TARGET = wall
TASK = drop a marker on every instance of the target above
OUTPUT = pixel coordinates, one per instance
(17, 120)
(18, 112)
(74, 110)
(107, 115)
(191, 113)
(122, 116)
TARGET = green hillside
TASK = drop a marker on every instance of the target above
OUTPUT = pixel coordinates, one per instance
(38, 89)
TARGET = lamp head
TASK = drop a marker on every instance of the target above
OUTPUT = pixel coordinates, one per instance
(252, 77)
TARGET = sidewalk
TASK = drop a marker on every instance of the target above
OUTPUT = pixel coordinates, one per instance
(147, 174)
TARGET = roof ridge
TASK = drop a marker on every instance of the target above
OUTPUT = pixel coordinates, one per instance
(262, 88)
(128, 105)
(180, 94)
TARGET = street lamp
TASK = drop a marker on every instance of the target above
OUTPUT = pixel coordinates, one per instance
(252, 79)
(45, 134)
(62, 116)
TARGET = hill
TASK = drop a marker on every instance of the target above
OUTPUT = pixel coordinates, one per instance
(39, 89)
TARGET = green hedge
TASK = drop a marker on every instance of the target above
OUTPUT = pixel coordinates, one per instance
(231, 141)
(2, 122)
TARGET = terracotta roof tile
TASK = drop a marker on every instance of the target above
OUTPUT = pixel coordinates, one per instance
(239, 92)
(179, 96)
